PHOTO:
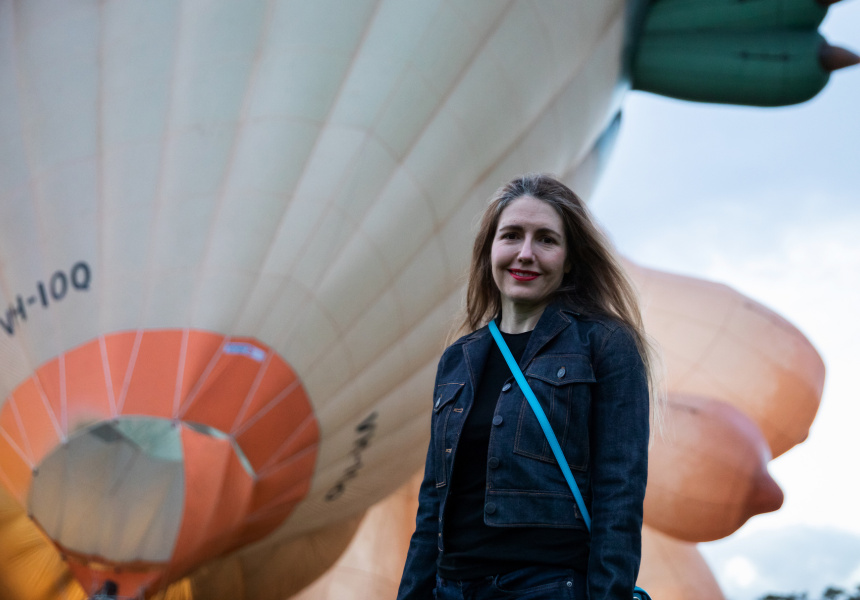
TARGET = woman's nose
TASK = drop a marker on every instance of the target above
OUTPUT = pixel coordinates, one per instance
(526, 251)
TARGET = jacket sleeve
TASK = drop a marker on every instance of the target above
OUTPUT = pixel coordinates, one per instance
(619, 451)
(419, 574)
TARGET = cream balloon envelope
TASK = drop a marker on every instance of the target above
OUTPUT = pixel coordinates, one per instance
(370, 568)
(231, 241)
(708, 474)
(275, 570)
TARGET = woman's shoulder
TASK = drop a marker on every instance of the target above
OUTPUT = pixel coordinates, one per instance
(598, 323)
(457, 344)
(605, 333)
(452, 361)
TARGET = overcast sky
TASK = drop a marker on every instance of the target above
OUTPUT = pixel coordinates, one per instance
(767, 201)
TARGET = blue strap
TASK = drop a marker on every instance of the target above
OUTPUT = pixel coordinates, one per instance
(544, 422)
(640, 594)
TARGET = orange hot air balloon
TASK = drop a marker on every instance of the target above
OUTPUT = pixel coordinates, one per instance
(675, 570)
(708, 474)
(720, 344)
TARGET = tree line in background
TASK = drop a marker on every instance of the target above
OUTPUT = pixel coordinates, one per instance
(831, 593)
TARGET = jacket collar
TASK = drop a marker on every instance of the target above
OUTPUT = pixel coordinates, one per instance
(554, 320)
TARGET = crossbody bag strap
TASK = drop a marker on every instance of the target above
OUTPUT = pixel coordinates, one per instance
(544, 422)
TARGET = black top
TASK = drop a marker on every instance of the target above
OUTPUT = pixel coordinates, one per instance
(472, 548)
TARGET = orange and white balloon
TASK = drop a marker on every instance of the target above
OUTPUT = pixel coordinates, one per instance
(231, 238)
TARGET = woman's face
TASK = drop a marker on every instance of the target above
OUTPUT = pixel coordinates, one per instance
(529, 254)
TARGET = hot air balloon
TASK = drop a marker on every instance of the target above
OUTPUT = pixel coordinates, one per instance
(708, 475)
(231, 239)
(723, 345)
(227, 259)
(370, 567)
(675, 570)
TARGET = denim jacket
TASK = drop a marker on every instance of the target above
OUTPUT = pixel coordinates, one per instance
(590, 380)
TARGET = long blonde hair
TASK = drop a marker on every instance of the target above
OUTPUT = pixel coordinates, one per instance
(596, 285)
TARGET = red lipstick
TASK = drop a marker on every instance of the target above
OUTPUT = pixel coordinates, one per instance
(521, 275)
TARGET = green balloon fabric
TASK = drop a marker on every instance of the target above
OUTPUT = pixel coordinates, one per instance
(736, 15)
(774, 68)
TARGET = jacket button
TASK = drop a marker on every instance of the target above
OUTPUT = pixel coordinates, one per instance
(506, 387)
(490, 508)
(438, 400)
(493, 463)
(561, 372)
(497, 420)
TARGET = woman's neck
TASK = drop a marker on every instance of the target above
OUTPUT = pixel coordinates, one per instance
(517, 318)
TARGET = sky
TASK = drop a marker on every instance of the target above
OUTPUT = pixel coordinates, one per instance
(767, 201)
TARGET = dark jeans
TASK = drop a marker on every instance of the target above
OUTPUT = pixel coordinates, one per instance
(530, 583)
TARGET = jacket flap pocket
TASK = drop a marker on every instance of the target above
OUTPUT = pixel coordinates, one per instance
(561, 369)
(445, 394)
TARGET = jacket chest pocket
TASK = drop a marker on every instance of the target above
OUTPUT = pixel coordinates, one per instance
(562, 385)
(443, 405)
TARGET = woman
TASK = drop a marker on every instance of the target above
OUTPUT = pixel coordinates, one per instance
(496, 518)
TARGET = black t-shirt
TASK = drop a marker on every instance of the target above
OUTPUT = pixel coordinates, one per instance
(472, 548)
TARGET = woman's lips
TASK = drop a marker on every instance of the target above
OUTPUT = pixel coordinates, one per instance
(523, 275)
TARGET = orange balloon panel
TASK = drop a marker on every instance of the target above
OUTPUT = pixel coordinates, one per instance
(675, 570)
(708, 474)
(159, 450)
(718, 343)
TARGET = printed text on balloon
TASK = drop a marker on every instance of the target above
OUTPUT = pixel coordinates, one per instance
(58, 286)
(365, 431)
